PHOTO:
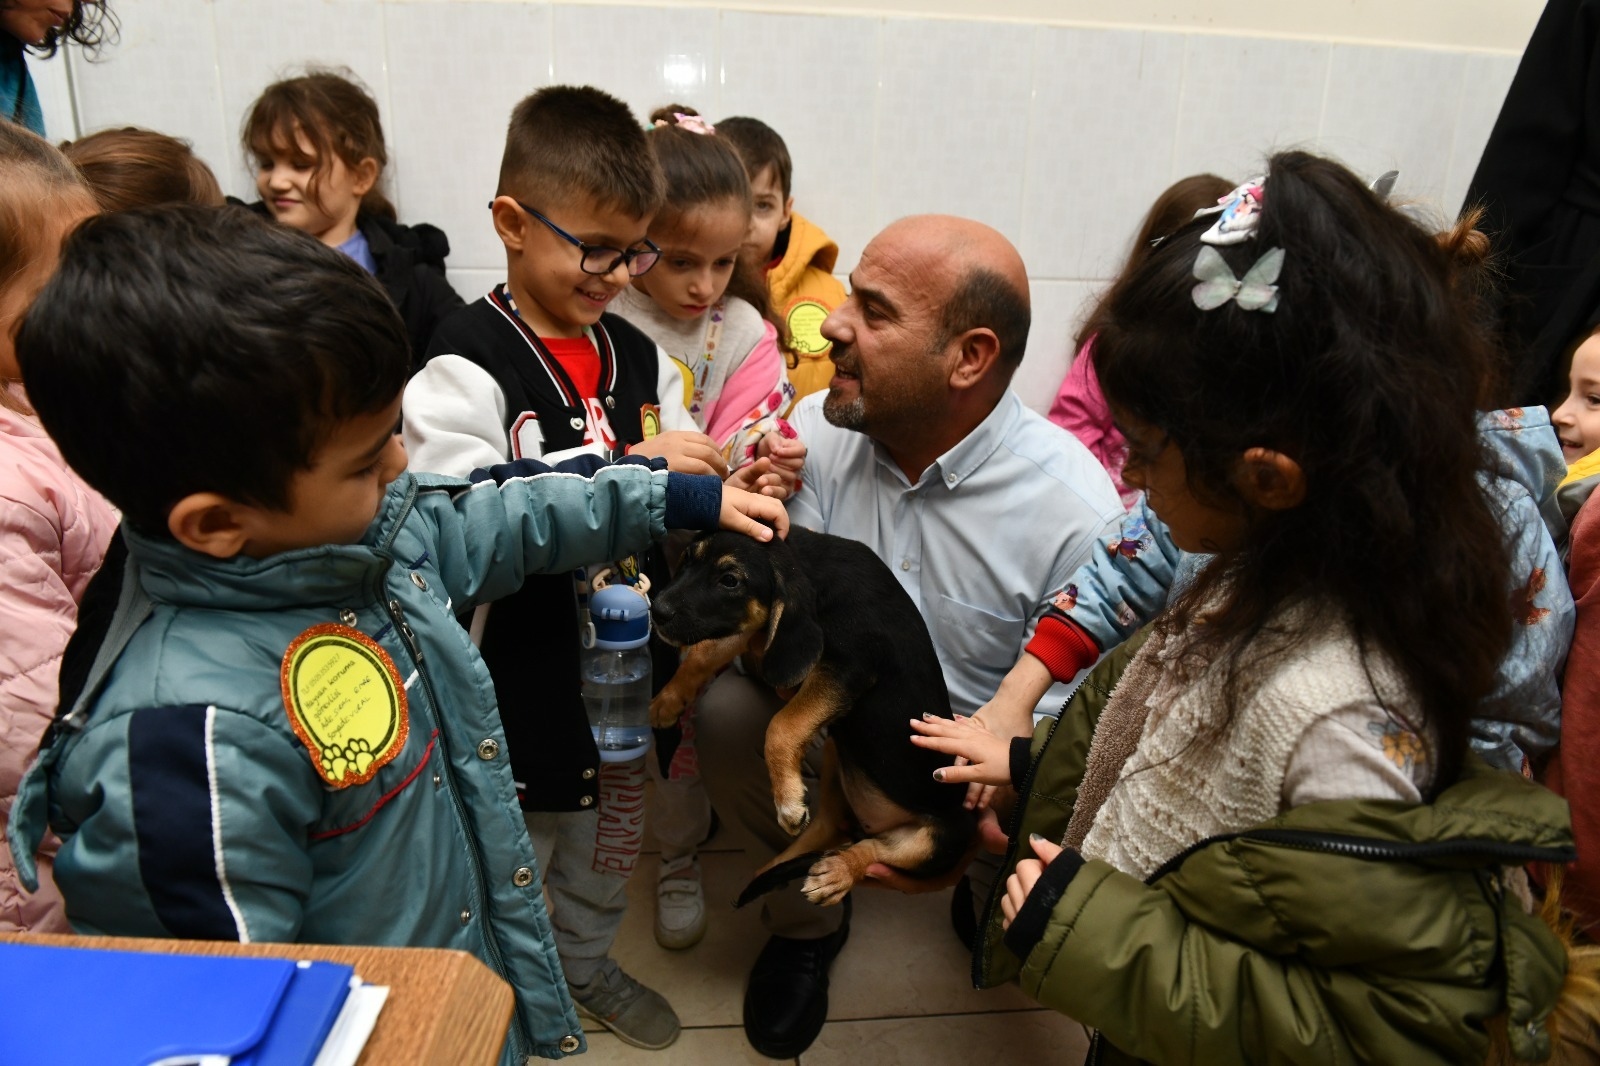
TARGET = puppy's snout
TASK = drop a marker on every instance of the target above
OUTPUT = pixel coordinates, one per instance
(663, 612)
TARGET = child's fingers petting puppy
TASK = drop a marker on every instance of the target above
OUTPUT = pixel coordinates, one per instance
(988, 757)
(745, 512)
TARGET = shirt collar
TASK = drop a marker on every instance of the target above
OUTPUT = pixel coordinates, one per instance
(973, 450)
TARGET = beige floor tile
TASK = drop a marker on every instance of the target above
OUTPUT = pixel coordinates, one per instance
(1035, 1036)
(705, 983)
(696, 1047)
(902, 959)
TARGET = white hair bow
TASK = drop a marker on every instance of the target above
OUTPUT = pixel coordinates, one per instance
(1256, 291)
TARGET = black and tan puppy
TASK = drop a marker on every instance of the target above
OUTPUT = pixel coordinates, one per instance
(823, 615)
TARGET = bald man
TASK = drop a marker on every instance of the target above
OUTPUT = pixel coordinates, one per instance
(981, 508)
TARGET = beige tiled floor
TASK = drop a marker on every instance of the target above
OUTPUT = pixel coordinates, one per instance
(900, 989)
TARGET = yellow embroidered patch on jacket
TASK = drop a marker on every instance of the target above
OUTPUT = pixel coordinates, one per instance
(345, 701)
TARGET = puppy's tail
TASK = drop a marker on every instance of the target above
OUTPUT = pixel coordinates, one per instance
(775, 878)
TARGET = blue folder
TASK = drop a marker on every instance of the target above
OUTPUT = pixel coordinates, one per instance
(72, 1006)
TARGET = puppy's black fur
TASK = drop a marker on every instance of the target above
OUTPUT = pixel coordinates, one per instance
(823, 614)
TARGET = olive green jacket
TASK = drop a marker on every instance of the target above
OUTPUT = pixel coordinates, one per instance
(1344, 932)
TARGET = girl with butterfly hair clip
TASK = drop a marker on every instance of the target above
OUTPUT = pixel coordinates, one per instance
(1231, 847)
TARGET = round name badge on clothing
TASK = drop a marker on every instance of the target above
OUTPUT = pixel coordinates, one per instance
(804, 320)
(345, 701)
(649, 420)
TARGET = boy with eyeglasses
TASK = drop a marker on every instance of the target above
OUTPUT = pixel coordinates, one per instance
(539, 369)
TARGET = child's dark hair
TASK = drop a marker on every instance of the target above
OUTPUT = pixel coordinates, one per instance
(1171, 211)
(186, 349)
(131, 167)
(1368, 375)
(576, 140)
(759, 145)
(701, 169)
(90, 26)
(335, 114)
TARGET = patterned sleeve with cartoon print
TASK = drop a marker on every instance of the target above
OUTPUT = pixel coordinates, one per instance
(1125, 584)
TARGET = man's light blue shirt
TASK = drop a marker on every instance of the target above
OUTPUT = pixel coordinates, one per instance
(984, 538)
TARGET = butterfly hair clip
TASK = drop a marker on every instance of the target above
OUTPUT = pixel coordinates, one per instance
(1256, 291)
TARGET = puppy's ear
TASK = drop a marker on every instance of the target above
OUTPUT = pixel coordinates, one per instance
(794, 639)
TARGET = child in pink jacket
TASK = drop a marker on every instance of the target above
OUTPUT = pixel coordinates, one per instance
(1080, 408)
(53, 528)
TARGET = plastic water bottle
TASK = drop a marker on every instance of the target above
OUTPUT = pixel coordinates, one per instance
(616, 673)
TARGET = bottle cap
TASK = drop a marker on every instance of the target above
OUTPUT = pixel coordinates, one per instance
(621, 618)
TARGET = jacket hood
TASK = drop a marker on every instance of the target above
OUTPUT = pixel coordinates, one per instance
(809, 247)
(330, 575)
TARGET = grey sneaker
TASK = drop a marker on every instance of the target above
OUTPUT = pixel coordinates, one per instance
(680, 904)
(638, 1015)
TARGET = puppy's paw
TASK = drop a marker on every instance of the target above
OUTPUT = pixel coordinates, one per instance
(793, 817)
(829, 881)
(667, 707)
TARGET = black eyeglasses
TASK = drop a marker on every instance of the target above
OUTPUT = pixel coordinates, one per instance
(599, 260)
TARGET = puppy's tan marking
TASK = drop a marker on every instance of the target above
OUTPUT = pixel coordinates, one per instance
(833, 876)
(702, 663)
(819, 701)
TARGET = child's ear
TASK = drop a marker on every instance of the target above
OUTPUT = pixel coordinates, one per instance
(788, 214)
(210, 524)
(1271, 480)
(365, 174)
(510, 222)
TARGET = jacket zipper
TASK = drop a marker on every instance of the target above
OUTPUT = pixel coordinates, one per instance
(409, 638)
(1375, 850)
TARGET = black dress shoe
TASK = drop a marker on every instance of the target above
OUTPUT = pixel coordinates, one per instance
(786, 1001)
(963, 918)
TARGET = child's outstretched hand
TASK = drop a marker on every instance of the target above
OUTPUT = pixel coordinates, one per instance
(744, 512)
(987, 757)
(1025, 876)
(685, 451)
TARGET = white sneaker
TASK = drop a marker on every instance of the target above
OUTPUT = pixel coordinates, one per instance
(680, 904)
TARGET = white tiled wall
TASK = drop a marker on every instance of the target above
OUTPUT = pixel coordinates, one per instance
(1060, 136)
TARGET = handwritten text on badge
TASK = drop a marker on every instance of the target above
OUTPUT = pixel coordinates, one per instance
(345, 702)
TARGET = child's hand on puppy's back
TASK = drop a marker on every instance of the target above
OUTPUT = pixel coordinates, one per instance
(745, 512)
(685, 451)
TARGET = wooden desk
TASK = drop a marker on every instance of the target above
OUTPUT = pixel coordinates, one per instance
(444, 1007)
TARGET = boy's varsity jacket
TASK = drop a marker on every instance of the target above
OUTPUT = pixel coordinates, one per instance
(306, 747)
(491, 392)
(1127, 583)
(804, 291)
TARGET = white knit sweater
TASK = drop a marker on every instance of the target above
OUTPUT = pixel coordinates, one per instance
(1185, 783)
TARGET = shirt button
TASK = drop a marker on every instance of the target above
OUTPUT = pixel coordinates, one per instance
(348, 617)
(419, 581)
(466, 916)
(523, 877)
(587, 801)
(588, 774)
(905, 564)
(611, 401)
(488, 749)
(577, 423)
(569, 1044)
(950, 479)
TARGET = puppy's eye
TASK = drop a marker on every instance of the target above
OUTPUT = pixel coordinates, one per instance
(729, 581)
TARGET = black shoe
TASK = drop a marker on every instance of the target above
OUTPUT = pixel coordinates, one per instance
(786, 1001)
(962, 915)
